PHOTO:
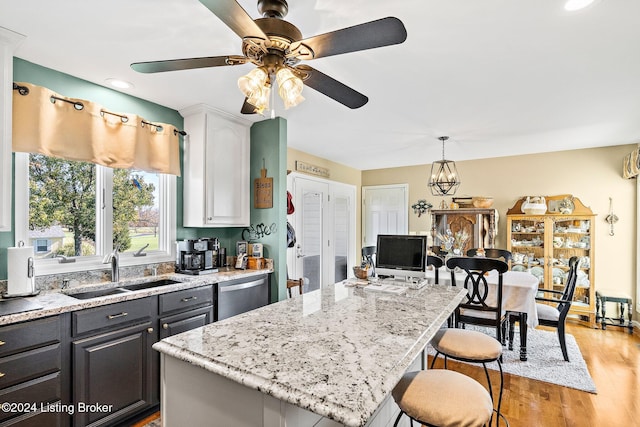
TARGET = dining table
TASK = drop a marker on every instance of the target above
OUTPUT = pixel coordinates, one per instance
(519, 289)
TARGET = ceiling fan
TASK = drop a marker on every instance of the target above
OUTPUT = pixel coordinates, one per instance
(276, 47)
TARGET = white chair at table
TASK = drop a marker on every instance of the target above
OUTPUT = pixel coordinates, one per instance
(472, 346)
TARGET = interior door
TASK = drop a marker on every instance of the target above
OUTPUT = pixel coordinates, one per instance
(306, 258)
(343, 229)
(385, 210)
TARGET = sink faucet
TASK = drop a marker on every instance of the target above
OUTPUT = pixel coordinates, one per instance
(114, 259)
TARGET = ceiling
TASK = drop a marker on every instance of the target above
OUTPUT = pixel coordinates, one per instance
(500, 77)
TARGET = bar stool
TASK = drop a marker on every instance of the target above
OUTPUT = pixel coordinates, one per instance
(442, 398)
(602, 297)
(294, 284)
(472, 347)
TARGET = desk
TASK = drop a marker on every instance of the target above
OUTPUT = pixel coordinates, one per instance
(519, 290)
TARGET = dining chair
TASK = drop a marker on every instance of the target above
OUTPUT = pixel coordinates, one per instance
(442, 398)
(492, 253)
(436, 262)
(477, 308)
(553, 309)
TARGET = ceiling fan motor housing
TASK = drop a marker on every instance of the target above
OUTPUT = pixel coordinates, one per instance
(273, 8)
(281, 35)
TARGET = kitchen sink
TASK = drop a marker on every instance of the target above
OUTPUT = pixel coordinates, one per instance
(98, 293)
(147, 285)
(122, 289)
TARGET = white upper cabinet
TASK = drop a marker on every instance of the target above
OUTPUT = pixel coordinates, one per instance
(8, 43)
(216, 182)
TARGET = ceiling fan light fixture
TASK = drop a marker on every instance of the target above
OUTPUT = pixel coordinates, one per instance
(289, 88)
(444, 179)
(260, 99)
(253, 82)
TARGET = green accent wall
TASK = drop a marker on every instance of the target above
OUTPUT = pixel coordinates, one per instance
(271, 145)
(269, 142)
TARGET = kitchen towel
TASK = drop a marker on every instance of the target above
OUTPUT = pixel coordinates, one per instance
(21, 280)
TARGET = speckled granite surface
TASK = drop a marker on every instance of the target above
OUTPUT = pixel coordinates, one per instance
(57, 301)
(337, 351)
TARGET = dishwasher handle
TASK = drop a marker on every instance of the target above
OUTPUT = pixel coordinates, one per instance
(239, 286)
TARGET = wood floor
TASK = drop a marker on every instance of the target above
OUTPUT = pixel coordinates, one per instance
(613, 359)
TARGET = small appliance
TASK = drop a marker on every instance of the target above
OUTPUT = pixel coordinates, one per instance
(196, 256)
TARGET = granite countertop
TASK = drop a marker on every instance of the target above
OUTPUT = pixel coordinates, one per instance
(337, 351)
(58, 301)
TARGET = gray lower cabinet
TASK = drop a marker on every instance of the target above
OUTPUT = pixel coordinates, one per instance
(114, 366)
(33, 374)
(96, 367)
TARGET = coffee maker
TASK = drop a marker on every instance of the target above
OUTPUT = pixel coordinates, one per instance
(197, 256)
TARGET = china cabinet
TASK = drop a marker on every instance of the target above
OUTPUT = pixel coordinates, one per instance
(479, 224)
(543, 243)
(216, 184)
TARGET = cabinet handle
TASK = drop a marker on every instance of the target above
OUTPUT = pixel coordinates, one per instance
(2, 343)
(209, 218)
(165, 326)
(113, 316)
(189, 299)
(2, 374)
(150, 330)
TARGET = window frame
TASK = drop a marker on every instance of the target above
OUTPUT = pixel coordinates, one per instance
(104, 223)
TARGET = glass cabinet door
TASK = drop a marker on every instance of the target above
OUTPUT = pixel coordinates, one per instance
(528, 246)
(573, 237)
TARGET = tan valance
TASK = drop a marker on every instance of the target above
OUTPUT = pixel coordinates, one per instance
(75, 129)
(631, 164)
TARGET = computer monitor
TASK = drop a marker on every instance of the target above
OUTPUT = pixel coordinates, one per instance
(401, 256)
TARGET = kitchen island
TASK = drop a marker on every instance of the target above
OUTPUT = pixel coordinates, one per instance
(329, 357)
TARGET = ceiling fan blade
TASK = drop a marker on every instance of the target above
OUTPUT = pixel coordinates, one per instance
(247, 108)
(331, 87)
(187, 64)
(383, 32)
(235, 17)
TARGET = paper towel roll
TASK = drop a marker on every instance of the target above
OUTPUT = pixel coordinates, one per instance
(20, 277)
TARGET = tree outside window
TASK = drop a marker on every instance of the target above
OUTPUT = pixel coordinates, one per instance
(63, 192)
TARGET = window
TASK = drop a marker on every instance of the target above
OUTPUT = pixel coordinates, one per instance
(92, 209)
(42, 245)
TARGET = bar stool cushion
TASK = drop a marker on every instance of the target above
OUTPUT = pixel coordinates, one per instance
(466, 344)
(443, 398)
(547, 312)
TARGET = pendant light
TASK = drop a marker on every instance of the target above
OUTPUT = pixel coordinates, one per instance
(444, 178)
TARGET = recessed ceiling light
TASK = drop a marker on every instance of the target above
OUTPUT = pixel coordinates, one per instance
(120, 84)
(572, 5)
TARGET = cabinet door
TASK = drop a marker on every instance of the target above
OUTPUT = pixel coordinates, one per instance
(573, 236)
(116, 369)
(182, 322)
(226, 182)
(216, 186)
(527, 243)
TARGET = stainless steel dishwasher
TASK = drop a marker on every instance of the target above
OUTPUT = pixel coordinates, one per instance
(242, 295)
